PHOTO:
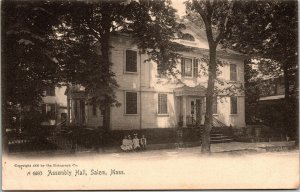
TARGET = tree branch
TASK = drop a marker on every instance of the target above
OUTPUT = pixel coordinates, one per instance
(199, 9)
(223, 28)
(95, 33)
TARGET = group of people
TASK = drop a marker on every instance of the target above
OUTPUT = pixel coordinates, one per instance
(129, 144)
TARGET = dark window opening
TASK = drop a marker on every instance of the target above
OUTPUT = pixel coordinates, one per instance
(50, 91)
(131, 103)
(94, 110)
(162, 104)
(233, 105)
(131, 61)
(233, 72)
(188, 37)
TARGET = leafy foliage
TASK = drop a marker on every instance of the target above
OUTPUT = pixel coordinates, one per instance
(27, 63)
(267, 30)
(69, 42)
(154, 28)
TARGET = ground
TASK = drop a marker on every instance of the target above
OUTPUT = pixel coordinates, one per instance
(172, 169)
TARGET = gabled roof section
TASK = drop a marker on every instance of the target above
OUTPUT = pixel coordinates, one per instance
(201, 39)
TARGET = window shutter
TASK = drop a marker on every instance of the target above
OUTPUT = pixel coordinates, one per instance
(233, 105)
(182, 67)
(44, 109)
(75, 109)
(131, 103)
(82, 111)
(94, 110)
(162, 103)
(233, 74)
(131, 61)
(195, 67)
(215, 105)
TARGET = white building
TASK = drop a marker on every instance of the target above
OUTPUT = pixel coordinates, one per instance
(150, 100)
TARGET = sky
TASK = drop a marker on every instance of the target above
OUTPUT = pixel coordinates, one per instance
(179, 5)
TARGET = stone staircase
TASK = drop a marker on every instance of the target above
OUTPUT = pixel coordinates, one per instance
(216, 136)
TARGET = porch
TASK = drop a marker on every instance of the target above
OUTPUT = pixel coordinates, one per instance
(190, 107)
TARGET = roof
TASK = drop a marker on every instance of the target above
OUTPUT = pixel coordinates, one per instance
(274, 97)
(202, 42)
(198, 90)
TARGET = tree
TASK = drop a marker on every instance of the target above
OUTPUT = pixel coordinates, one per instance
(27, 64)
(267, 31)
(49, 42)
(85, 28)
(215, 17)
(261, 29)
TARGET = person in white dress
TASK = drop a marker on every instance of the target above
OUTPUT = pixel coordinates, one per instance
(126, 144)
(136, 142)
(130, 143)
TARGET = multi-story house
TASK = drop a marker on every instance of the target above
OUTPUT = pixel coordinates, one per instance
(152, 100)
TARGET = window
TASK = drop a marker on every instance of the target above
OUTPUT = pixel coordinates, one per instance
(233, 105)
(50, 91)
(233, 74)
(48, 111)
(131, 102)
(188, 37)
(189, 67)
(162, 103)
(215, 105)
(94, 110)
(131, 61)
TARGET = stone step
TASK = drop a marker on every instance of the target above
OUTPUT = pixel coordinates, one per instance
(221, 141)
(220, 138)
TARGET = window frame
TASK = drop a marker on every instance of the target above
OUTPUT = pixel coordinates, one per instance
(192, 76)
(125, 61)
(125, 98)
(158, 104)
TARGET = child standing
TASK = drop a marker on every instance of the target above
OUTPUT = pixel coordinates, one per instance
(143, 142)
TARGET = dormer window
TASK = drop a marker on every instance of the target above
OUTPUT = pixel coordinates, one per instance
(188, 37)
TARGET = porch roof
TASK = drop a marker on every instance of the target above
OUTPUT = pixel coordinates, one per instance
(198, 90)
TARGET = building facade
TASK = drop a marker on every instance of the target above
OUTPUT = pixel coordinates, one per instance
(151, 100)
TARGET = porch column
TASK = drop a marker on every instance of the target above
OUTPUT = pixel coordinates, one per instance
(184, 110)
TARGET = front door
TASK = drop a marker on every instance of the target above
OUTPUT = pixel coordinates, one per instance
(198, 111)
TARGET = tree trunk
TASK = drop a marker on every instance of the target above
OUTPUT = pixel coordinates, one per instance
(106, 68)
(106, 115)
(209, 100)
(286, 82)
